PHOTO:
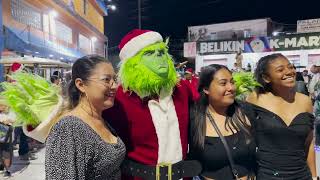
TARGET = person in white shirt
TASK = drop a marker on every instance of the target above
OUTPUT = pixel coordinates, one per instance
(314, 86)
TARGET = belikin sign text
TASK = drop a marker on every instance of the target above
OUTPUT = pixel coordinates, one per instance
(261, 44)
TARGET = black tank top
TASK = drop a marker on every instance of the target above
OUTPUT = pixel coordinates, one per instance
(214, 159)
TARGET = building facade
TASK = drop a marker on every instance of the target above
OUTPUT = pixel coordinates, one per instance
(56, 29)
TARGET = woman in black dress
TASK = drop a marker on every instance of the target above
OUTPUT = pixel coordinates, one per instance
(217, 91)
(282, 122)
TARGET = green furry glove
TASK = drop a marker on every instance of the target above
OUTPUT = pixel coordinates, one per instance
(245, 83)
(35, 102)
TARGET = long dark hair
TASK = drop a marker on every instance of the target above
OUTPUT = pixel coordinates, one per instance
(235, 118)
(262, 70)
(82, 69)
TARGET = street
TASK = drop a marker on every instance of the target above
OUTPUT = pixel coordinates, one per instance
(23, 170)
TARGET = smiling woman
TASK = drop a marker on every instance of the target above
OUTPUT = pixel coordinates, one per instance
(218, 116)
(81, 145)
(283, 122)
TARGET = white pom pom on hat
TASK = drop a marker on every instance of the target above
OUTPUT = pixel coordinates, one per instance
(136, 40)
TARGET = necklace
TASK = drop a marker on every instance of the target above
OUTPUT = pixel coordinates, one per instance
(91, 114)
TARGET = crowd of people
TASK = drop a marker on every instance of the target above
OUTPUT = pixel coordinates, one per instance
(146, 122)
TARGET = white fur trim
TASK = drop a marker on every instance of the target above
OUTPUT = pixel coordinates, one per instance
(166, 123)
(133, 46)
(41, 132)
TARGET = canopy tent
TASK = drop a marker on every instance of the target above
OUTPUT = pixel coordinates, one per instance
(31, 61)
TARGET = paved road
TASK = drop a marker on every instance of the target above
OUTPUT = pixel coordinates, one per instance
(34, 170)
(22, 170)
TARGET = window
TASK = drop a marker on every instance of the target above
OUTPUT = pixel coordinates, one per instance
(85, 6)
(26, 14)
(63, 32)
(294, 59)
(84, 43)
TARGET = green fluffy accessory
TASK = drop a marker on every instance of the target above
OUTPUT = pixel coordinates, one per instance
(245, 83)
(35, 102)
(135, 76)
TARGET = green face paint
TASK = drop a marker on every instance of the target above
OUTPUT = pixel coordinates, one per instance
(155, 58)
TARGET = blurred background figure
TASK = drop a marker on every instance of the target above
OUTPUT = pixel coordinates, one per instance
(191, 78)
(6, 147)
(180, 68)
(249, 69)
(188, 74)
(238, 64)
(236, 67)
(301, 86)
(57, 73)
(66, 78)
(314, 85)
(306, 76)
(55, 80)
(14, 67)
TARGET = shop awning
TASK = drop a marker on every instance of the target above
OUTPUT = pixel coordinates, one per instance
(31, 61)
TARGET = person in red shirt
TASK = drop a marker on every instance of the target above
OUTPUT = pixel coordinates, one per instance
(191, 79)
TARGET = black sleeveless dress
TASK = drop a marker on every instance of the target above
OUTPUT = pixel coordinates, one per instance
(282, 149)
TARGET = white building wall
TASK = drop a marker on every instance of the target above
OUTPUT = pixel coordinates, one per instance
(252, 58)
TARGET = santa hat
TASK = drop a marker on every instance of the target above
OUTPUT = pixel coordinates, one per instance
(15, 67)
(189, 70)
(136, 40)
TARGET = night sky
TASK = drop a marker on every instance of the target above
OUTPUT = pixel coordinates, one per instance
(172, 17)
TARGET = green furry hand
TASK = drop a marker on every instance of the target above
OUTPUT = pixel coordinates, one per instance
(245, 83)
(31, 97)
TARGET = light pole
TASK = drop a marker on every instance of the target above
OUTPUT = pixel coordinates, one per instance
(139, 14)
(1, 43)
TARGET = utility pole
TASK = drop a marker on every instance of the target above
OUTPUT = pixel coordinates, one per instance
(1, 42)
(139, 14)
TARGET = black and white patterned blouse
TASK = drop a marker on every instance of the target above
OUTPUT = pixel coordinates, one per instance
(75, 151)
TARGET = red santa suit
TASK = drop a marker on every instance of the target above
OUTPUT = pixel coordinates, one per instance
(154, 130)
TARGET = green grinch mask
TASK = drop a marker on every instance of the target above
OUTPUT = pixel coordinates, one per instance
(150, 71)
(155, 58)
